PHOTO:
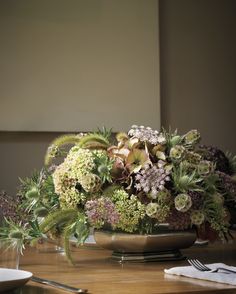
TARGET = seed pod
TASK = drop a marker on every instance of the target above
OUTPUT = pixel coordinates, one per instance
(32, 193)
(177, 152)
(15, 235)
(41, 212)
(183, 202)
(102, 169)
(192, 137)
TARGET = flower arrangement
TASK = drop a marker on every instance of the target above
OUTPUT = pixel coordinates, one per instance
(144, 178)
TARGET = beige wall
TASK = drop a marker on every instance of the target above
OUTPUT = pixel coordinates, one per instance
(69, 65)
(73, 65)
(198, 68)
(198, 82)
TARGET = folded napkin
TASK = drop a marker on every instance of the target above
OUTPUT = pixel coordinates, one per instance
(191, 272)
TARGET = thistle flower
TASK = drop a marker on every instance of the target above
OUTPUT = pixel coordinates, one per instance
(104, 165)
(175, 140)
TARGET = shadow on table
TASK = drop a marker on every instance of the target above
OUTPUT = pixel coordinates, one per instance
(198, 282)
(29, 289)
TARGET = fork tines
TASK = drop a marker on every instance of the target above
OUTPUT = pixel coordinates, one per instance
(198, 265)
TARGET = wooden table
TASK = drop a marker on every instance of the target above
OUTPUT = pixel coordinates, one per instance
(99, 274)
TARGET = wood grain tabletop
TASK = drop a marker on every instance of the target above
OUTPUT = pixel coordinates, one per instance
(97, 272)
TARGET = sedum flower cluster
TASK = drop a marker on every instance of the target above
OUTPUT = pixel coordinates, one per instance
(144, 178)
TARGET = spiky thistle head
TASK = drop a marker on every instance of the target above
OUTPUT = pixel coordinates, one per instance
(17, 235)
(172, 138)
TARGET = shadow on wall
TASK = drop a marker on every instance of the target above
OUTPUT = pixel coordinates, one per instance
(21, 153)
(198, 68)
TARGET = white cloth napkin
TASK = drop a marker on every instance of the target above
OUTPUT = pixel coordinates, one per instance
(191, 272)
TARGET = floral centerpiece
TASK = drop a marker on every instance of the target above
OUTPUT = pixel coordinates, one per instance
(144, 178)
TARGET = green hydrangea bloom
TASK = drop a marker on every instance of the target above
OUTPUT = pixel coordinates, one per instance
(71, 198)
(80, 161)
(130, 210)
(119, 195)
(78, 164)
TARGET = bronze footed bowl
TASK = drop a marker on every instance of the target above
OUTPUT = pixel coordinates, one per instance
(165, 245)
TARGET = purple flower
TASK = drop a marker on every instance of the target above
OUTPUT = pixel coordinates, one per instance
(101, 211)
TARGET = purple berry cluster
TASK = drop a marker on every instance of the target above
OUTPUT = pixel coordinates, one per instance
(10, 207)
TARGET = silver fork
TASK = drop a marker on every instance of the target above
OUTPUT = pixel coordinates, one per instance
(202, 267)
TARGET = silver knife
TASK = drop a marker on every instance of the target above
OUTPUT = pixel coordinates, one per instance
(58, 285)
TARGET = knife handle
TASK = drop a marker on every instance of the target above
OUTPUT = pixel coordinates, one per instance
(58, 285)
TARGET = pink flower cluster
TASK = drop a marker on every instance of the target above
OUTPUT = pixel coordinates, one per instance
(101, 211)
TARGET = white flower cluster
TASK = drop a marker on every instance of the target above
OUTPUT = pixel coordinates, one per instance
(151, 179)
(146, 135)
